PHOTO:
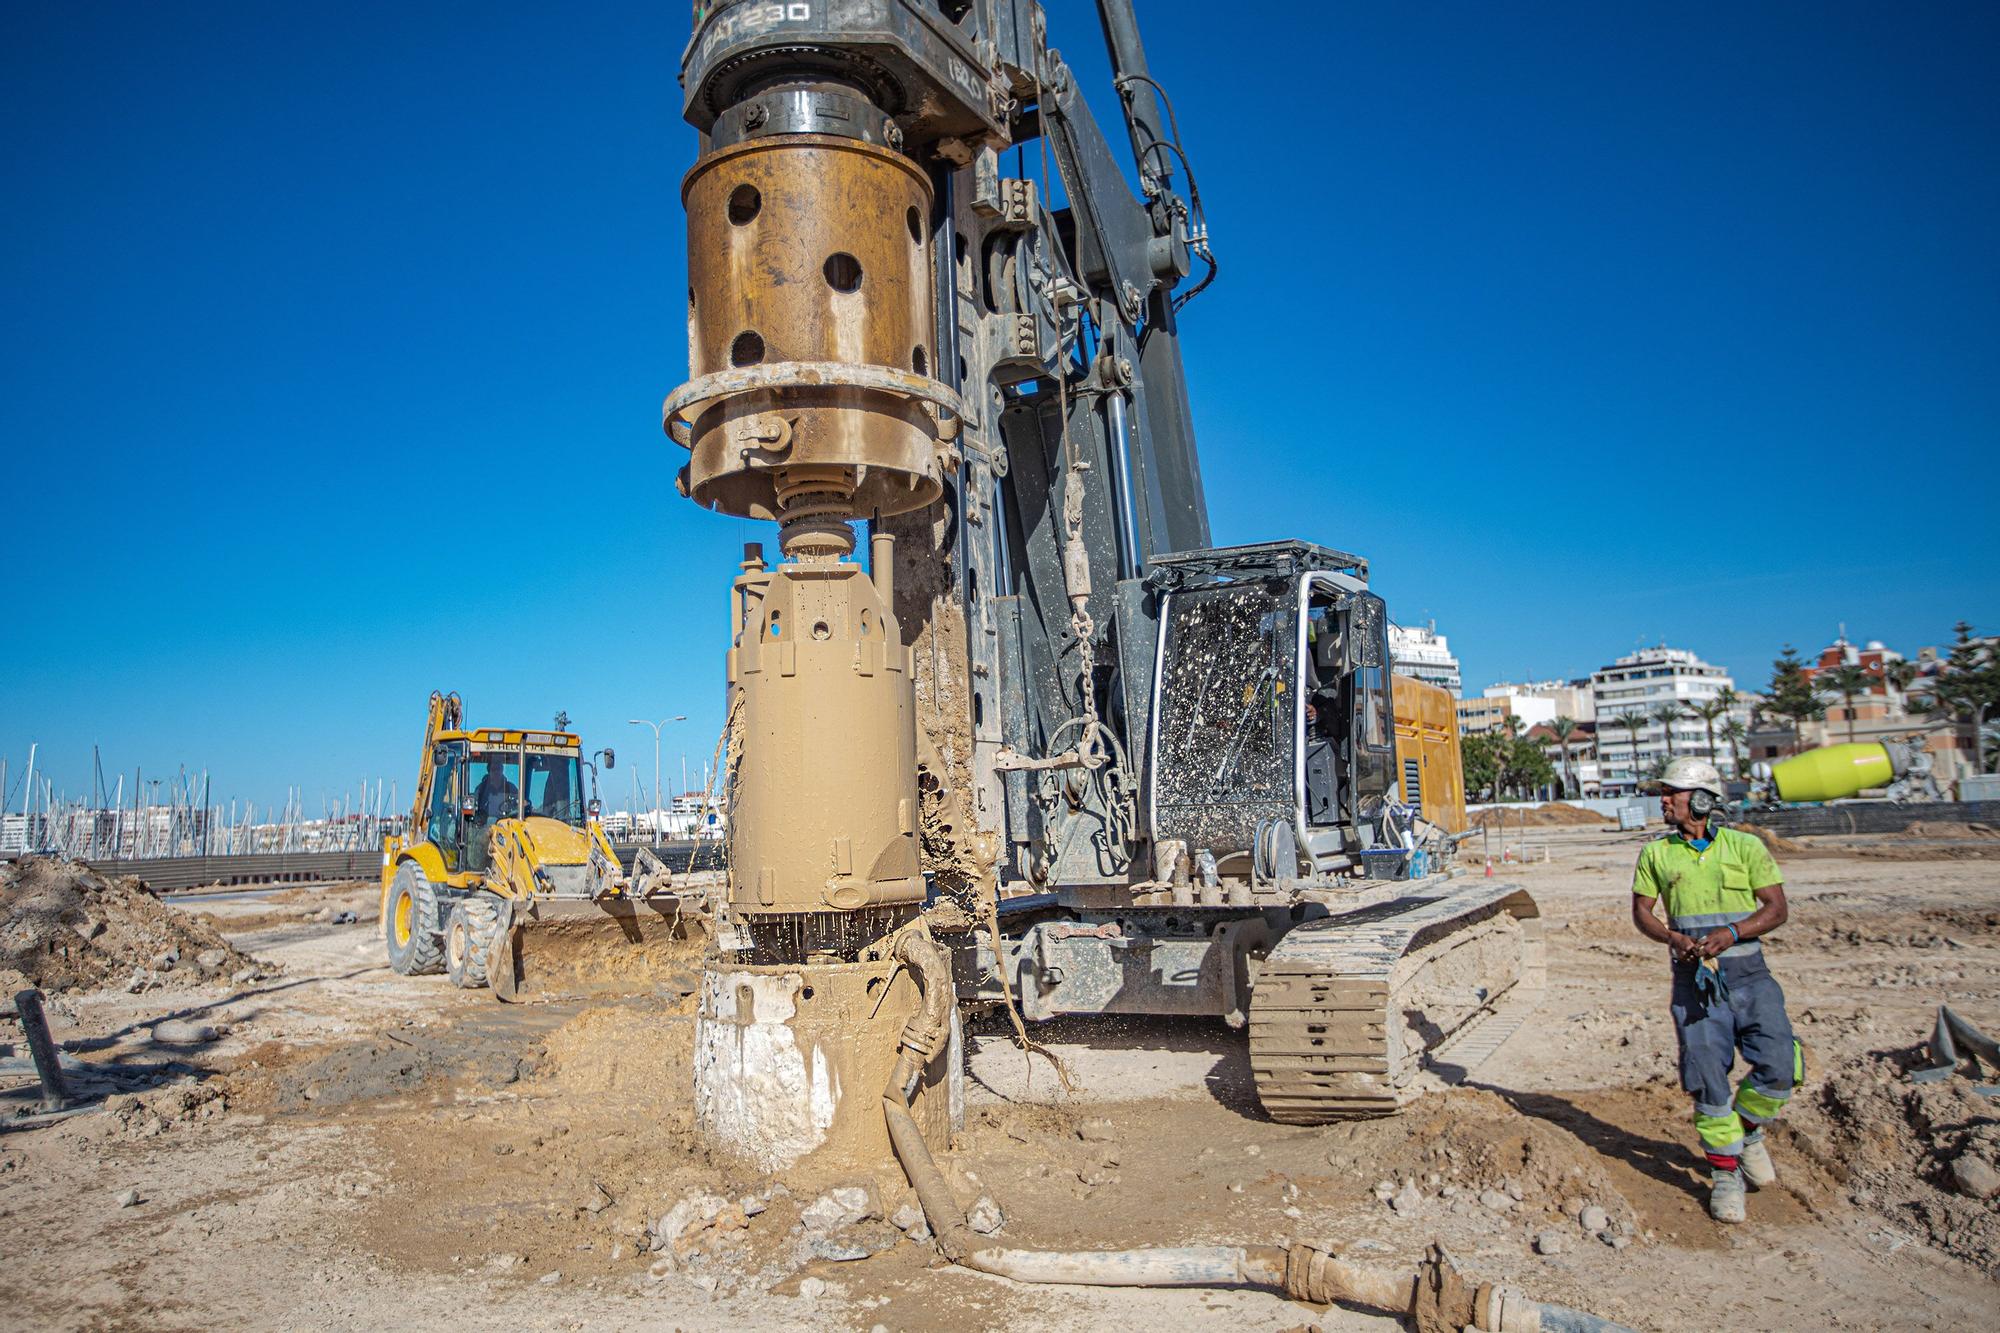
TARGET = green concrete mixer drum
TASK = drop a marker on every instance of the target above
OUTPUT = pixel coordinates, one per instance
(1836, 772)
(1833, 772)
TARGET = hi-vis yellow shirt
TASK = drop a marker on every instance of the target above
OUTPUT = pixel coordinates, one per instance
(1708, 888)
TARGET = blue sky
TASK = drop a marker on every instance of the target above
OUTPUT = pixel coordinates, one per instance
(335, 337)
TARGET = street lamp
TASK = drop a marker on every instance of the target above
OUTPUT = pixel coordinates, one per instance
(643, 722)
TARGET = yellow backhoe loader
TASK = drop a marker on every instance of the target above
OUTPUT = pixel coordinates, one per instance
(504, 876)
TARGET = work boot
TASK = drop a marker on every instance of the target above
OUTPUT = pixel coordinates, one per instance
(1757, 1169)
(1725, 1196)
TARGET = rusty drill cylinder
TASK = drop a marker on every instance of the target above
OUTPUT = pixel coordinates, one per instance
(809, 254)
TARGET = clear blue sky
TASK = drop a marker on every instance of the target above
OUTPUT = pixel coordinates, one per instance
(334, 339)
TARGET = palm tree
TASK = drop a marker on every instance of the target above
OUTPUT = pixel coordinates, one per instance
(1711, 711)
(1666, 715)
(1735, 733)
(1900, 675)
(1505, 769)
(1634, 723)
(1562, 729)
(1850, 681)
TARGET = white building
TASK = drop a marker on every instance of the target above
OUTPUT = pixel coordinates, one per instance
(1638, 685)
(1491, 712)
(1421, 653)
(1566, 698)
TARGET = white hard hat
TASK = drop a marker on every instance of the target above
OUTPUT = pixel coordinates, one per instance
(1693, 775)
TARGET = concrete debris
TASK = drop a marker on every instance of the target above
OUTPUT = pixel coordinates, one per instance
(751, 1205)
(907, 1218)
(128, 1198)
(837, 1208)
(1550, 1242)
(1975, 1177)
(985, 1216)
(1385, 1190)
(1495, 1201)
(838, 1251)
(685, 1220)
(210, 960)
(1593, 1219)
(1098, 1130)
(550, 1279)
(1407, 1200)
(598, 1200)
(811, 1288)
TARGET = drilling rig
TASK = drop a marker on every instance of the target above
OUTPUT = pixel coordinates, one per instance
(1050, 747)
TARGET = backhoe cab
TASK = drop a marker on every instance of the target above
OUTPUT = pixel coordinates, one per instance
(503, 856)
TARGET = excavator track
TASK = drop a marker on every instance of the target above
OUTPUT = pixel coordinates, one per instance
(1347, 1009)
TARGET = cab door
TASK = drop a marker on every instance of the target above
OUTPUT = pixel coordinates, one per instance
(1373, 729)
(446, 825)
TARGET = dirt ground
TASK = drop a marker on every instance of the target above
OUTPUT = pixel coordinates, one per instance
(359, 1148)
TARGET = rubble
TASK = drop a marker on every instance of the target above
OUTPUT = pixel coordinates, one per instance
(1898, 1147)
(837, 1208)
(1975, 1177)
(65, 927)
(985, 1216)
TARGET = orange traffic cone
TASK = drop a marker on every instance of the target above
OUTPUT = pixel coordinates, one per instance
(1489, 867)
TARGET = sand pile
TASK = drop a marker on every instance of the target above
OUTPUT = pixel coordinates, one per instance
(1917, 1153)
(65, 927)
(1946, 828)
(1777, 842)
(1554, 814)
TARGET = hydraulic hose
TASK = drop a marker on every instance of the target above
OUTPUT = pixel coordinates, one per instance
(1185, 1266)
(1303, 1272)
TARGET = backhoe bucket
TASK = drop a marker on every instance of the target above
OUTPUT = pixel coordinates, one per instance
(555, 948)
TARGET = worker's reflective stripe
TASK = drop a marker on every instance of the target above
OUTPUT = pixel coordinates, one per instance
(1758, 1104)
(1699, 925)
(1719, 1133)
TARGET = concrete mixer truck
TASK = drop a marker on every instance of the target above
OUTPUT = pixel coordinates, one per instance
(1836, 772)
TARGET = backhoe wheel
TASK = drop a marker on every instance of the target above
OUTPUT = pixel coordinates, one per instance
(411, 927)
(468, 940)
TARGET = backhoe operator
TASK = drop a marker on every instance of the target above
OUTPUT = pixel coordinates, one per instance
(494, 797)
(1722, 891)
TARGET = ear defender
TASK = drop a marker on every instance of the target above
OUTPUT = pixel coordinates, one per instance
(1701, 804)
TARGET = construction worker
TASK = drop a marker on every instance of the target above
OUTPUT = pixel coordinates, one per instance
(1722, 892)
(494, 797)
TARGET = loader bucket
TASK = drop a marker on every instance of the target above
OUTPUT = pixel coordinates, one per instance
(558, 948)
